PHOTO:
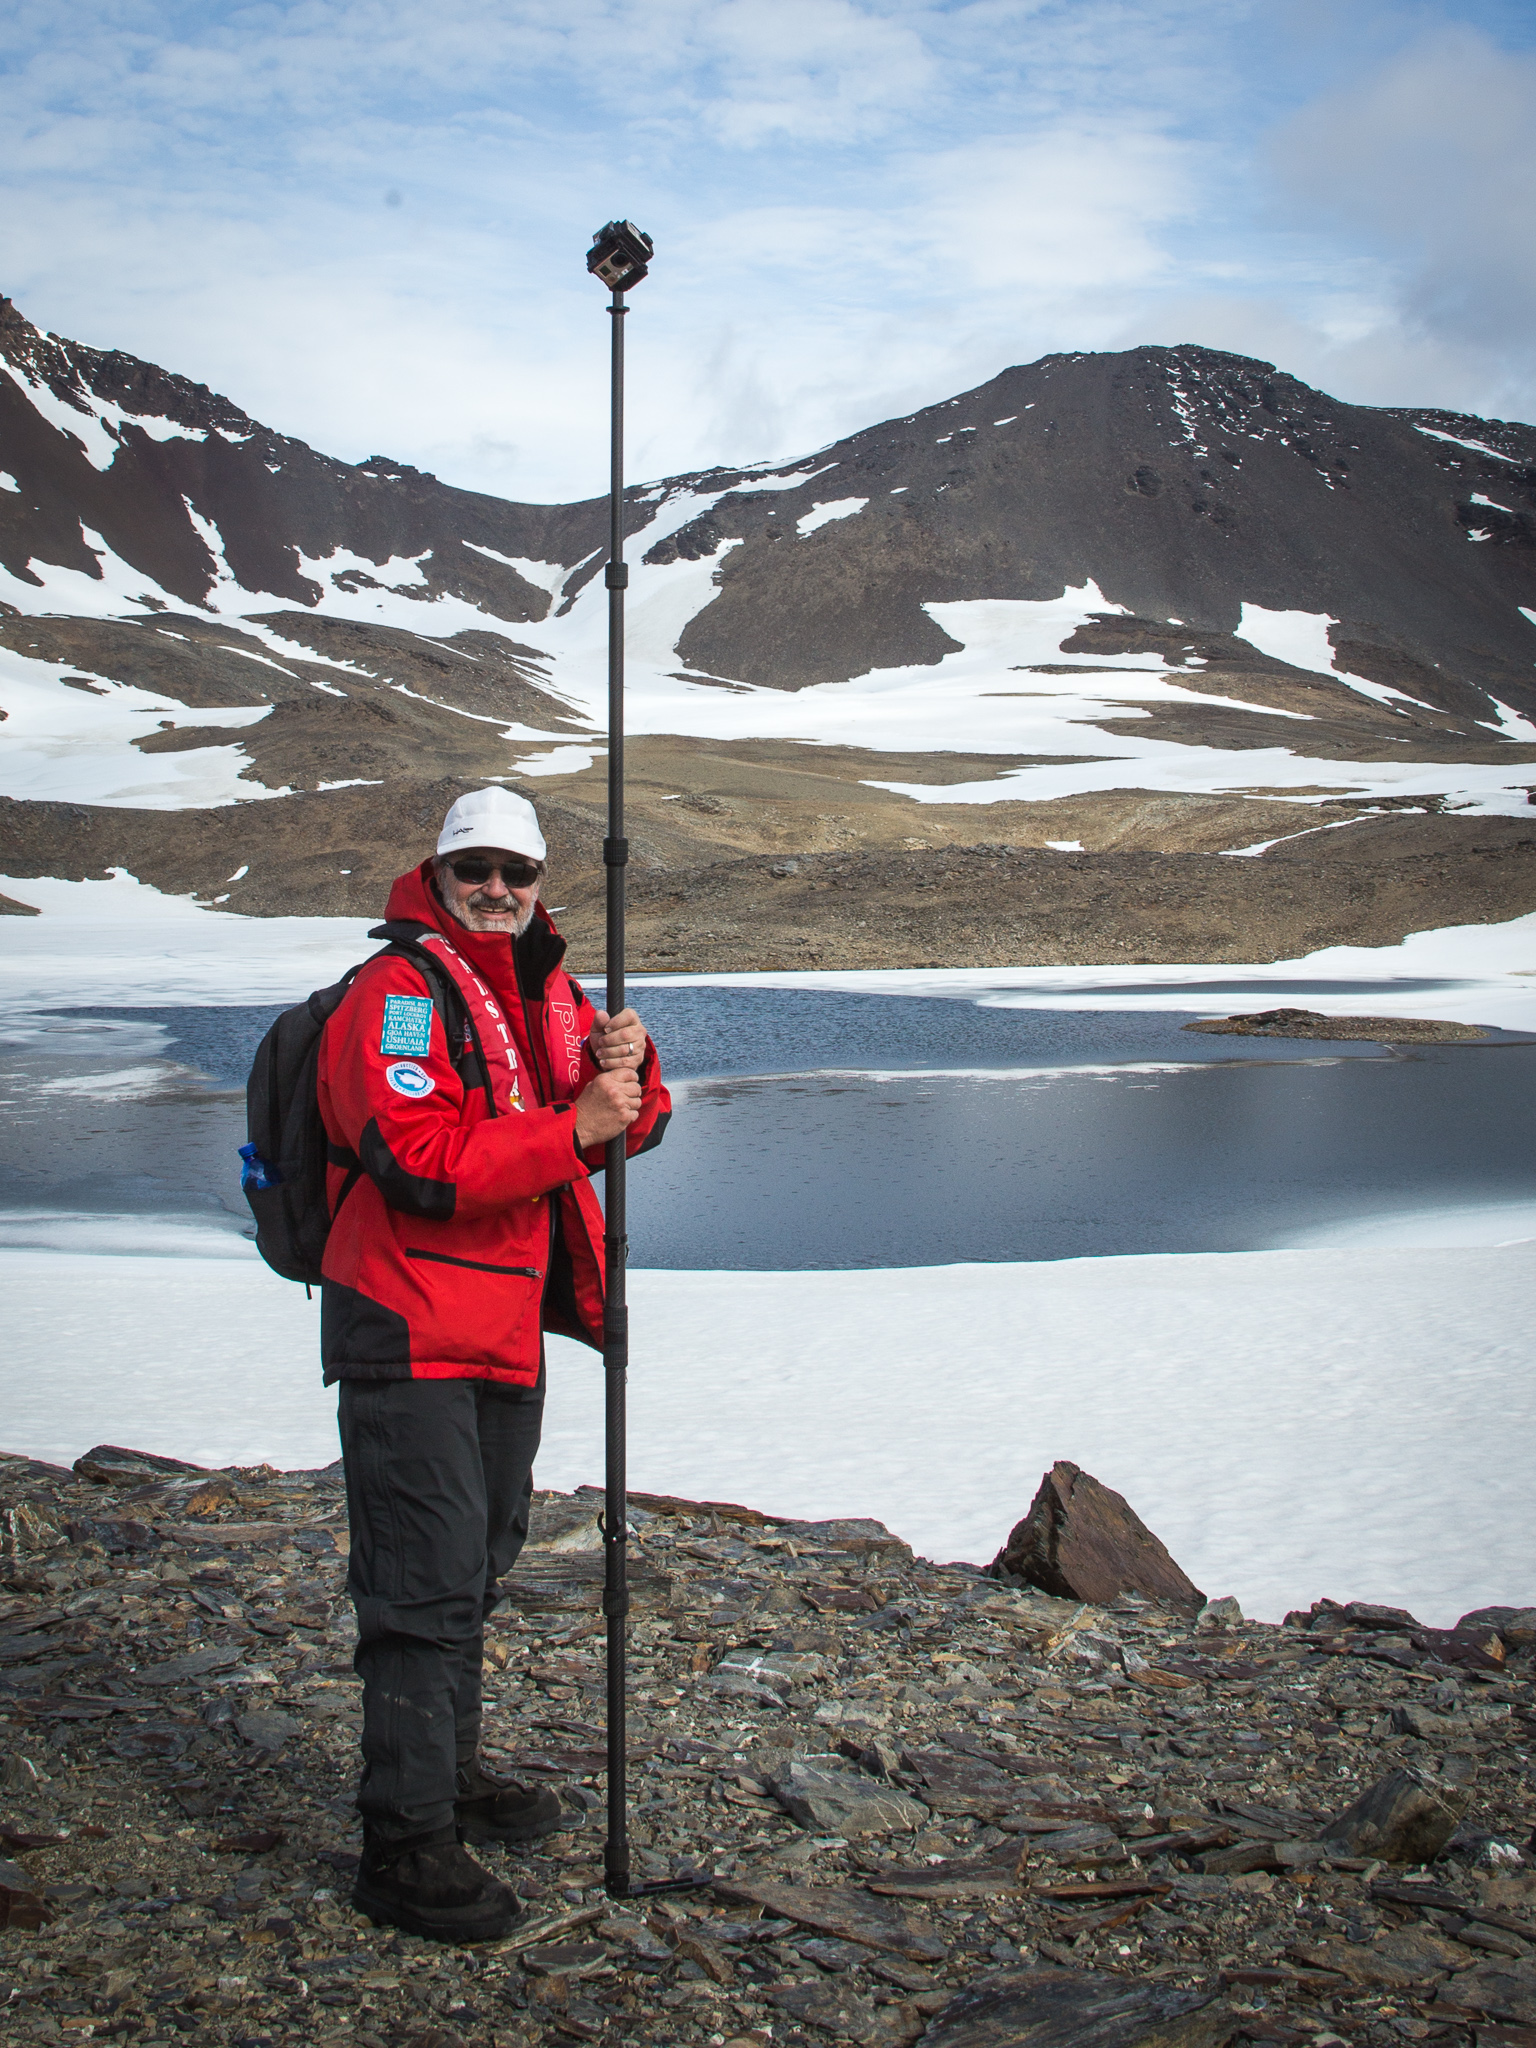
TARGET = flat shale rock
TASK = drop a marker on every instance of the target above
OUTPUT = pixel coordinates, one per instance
(1083, 1541)
(839, 1803)
(1399, 1819)
(22, 1904)
(564, 1522)
(840, 2012)
(112, 1465)
(954, 1784)
(837, 1910)
(1077, 2009)
(1502, 1990)
(1362, 1964)
(982, 1877)
(1515, 1625)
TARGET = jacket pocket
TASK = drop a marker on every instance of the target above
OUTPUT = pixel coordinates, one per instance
(475, 1265)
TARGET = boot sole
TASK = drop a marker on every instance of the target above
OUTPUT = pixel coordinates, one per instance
(447, 1923)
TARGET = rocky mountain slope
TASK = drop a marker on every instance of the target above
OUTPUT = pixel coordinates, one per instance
(1134, 612)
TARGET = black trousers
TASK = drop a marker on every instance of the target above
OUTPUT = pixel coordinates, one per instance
(439, 1483)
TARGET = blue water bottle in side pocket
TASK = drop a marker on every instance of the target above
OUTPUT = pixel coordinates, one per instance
(255, 1172)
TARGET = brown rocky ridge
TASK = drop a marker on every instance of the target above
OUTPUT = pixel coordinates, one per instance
(922, 1802)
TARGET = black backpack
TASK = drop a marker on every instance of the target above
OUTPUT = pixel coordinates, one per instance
(287, 1150)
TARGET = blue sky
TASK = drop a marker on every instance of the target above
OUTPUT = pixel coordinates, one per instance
(365, 220)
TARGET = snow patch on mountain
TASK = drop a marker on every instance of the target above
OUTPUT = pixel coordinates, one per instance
(550, 576)
(1509, 723)
(64, 744)
(117, 591)
(823, 514)
(1301, 638)
(97, 424)
(1460, 441)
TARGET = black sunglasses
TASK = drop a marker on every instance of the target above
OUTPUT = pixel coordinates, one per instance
(517, 874)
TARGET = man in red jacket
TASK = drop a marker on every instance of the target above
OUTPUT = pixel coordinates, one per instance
(468, 1089)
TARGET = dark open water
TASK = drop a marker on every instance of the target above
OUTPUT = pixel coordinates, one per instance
(871, 1147)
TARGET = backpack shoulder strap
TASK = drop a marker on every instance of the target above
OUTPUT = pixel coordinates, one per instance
(464, 1048)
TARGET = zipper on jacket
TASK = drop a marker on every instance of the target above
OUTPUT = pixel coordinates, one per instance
(475, 1265)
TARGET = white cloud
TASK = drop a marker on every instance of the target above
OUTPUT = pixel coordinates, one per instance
(1427, 163)
(859, 206)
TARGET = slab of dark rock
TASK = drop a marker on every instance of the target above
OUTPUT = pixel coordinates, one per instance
(839, 2011)
(1241, 1857)
(1285, 1023)
(840, 1803)
(188, 1669)
(22, 1904)
(1083, 1541)
(267, 1729)
(1078, 2009)
(115, 1534)
(1332, 1616)
(1106, 1888)
(563, 1522)
(1503, 1990)
(1516, 1625)
(975, 1877)
(1357, 1962)
(671, 1504)
(961, 1784)
(1079, 1848)
(111, 1465)
(1400, 1819)
(1474, 1649)
(553, 1579)
(837, 1910)
(860, 1535)
(1183, 1842)
(1422, 1949)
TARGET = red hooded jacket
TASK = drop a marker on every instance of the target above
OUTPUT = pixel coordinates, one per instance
(472, 1227)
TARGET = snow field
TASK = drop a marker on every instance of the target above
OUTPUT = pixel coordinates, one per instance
(122, 942)
(1354, 1423)
(69, 745)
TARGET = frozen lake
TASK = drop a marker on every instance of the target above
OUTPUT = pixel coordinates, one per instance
(825, 1129)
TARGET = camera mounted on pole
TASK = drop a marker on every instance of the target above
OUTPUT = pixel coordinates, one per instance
(620, 255)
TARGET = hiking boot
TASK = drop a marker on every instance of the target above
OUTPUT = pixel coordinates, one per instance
(492, 1809)
(431, 1885)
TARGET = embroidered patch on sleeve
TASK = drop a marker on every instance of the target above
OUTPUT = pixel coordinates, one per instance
(407, 1025)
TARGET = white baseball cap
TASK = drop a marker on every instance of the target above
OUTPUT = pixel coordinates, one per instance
(493, 818)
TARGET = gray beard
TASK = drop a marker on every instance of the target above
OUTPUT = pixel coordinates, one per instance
(474, 921)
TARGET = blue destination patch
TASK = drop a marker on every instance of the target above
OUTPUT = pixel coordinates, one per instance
(407, 1025)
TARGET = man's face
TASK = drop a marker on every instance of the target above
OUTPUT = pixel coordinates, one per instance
(485, 903)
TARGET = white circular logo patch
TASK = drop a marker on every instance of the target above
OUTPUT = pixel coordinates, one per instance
(406, 1078)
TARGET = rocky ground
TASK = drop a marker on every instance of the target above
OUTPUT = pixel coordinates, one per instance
(920, 1802)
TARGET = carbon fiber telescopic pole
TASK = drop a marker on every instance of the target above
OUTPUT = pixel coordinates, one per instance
(618, 256)
(616, 1239)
